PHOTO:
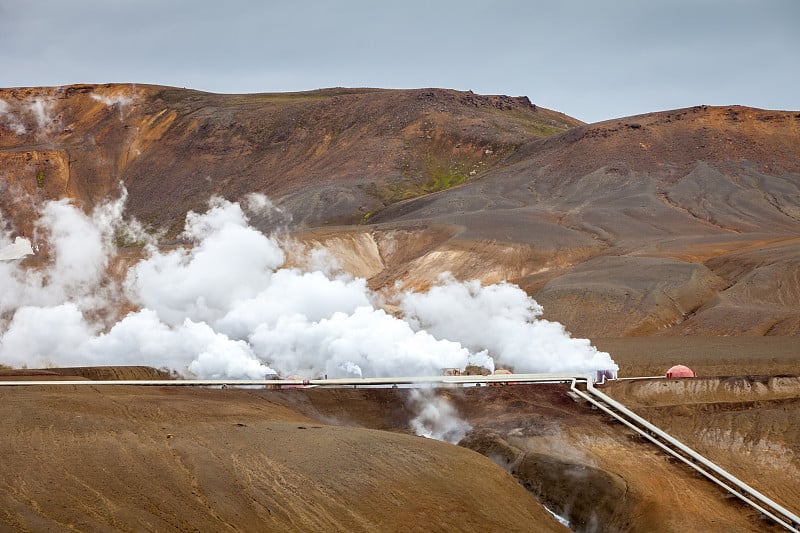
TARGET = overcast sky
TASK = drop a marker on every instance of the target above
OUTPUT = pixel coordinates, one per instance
(593, 60)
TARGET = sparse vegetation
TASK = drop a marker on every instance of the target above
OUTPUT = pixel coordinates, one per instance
(544, 130)
(437, 179)
(441, 180)
(438, 173)
(40, 179)
(127, 239)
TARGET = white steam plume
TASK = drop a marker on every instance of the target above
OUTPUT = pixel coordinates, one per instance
(228, 306)
(436, 418)
(80, 247)
(113, 100)
(503, 320)
(41, 108)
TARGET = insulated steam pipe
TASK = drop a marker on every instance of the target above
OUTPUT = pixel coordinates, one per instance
(701, 464)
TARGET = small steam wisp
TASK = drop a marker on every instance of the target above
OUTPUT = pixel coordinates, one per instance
(9, 119)
(112, 100)
(436, 418)
(228, 306)
(41, 109)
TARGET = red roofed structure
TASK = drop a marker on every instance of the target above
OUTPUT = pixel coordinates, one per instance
(680, 371)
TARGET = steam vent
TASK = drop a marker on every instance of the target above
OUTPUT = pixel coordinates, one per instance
(680, 371)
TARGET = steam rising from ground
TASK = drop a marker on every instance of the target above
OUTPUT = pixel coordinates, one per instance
(113, 100)
(502, 319)
(34, 115)
(41, 109)
(9, 119)
(228, 306)
(436, 418)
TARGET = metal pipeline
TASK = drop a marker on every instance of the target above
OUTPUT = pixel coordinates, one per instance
(677, 449)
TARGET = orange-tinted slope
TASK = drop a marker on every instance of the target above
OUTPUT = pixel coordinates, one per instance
(180, 459)
(327, 155)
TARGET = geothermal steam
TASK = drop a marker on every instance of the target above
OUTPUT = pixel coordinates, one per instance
(10, 120)
(228, 306)
(436, 418)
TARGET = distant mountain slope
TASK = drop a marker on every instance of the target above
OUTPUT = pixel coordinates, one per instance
(683, 221)
(679, 222)
(700, 170)
(333, 155)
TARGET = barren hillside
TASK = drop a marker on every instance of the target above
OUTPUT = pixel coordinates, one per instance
(665, 238)
(333, 155)
(129, 458)
(155, 459)
(675, 223)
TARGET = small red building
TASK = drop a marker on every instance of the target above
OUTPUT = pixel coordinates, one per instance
(680, 371)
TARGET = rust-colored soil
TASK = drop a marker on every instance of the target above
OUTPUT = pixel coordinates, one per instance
(670, 237)
(154, 458)
(747, 425)
(328, 156)
(575, 460)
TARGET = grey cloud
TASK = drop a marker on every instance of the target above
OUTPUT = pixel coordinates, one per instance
(593, 60)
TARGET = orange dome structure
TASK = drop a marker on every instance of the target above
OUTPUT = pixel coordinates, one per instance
(680, 371)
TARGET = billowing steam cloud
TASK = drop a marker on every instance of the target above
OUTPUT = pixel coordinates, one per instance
(502, 319)
(228, 306)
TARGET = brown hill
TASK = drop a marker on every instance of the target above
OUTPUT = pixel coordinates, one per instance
(681, 223)
(156, 459)
(676, 223)
(332, 155)
(95, 458)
